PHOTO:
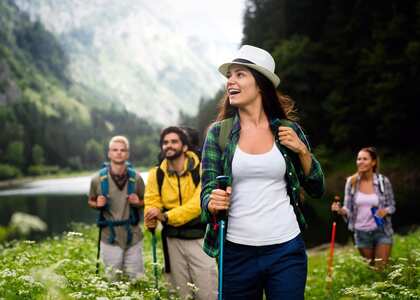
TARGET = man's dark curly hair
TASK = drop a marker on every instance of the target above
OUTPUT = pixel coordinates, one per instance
(174, 129)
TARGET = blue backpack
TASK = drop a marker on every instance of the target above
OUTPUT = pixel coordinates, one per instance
(134, 217)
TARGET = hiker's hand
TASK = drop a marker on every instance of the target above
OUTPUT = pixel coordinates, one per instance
(382, 212)
(150, 224)
(290, 139)
(100, 201)
(219, 200)
(152, 214)
(150, 218)
(133, 199)
(335, 206)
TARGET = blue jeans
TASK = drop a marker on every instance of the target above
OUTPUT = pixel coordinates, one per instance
(278, 270)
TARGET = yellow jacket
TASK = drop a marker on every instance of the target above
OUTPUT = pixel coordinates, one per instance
(180, 210)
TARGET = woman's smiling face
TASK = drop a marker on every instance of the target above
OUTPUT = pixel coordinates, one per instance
(241, 86)
(364, 162)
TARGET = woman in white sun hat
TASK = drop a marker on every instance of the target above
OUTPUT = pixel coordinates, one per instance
(267, 158)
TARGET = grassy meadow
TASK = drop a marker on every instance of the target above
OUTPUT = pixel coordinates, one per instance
(63, 267)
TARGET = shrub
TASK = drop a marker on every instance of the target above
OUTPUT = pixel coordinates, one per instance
(9, 172)
(37, 170)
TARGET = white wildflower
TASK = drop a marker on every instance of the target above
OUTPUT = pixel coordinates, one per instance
(123, 286)
(50, 279)
(27, 278)
(76, 295)
(74, 234)
(192, 286)
(7, 273)
(25, 223)
(395, 274)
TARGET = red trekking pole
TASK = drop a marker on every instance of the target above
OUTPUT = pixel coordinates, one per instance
(331, 256)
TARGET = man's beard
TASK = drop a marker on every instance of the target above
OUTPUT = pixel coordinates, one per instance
(173, 156)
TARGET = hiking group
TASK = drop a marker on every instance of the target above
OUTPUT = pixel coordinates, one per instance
(252, 222)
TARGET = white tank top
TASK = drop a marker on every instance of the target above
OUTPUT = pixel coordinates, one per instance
(260, 213)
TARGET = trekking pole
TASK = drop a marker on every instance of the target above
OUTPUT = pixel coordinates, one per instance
(331, 256)
(222, 182)
(99, 250)
(155, 271)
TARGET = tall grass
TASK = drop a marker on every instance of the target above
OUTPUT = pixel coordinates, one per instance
(353, 278)
(64, 268)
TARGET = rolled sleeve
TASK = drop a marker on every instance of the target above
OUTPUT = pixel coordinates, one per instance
(347, 205)
(205, 213)
(211, 168)
(313, 183)
(389, 197)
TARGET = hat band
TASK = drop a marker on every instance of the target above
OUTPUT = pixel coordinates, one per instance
(243, 61)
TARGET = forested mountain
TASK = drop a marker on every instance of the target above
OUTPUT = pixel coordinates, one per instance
(129, 51)
(353, 68)
(41, 124)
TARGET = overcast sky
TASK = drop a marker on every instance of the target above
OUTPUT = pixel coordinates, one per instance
(217, 22)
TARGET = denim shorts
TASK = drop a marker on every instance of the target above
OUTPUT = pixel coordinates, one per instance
(369, 239)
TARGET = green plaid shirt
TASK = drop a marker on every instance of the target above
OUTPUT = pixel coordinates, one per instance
(215, 163)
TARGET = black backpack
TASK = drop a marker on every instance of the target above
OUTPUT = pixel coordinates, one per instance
(160, 176)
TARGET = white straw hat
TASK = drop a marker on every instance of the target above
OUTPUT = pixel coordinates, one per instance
(255, 58)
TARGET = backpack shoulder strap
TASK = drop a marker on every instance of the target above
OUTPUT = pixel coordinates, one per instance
(103, 177)
(352, 183)
(381, 183)
(225, 129)
(160, 175)
(195, 173)
(296, 127)
(134, 216)
(131, 186)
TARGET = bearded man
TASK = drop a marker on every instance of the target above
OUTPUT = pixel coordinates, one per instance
(173, 197)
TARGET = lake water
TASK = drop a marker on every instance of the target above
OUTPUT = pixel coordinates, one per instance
(58, 202)
(61, 201)
(59, 186)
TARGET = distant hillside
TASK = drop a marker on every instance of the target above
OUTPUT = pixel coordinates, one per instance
(129, 52)
(41, 123)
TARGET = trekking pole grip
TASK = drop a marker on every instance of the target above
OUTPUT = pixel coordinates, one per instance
(335, 213)
(222, 184)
